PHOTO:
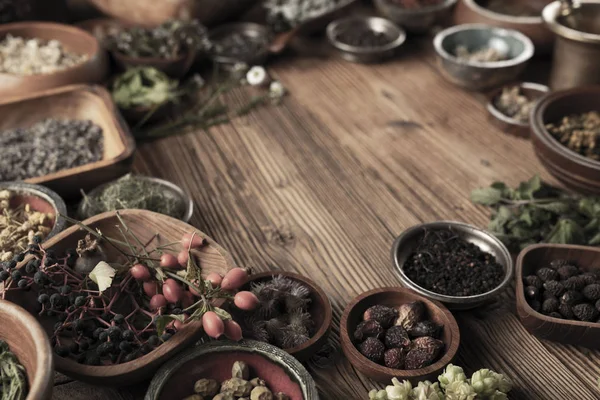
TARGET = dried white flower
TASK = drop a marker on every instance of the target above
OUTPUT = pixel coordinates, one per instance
(276, 90)
(256, 76)
(103, 275)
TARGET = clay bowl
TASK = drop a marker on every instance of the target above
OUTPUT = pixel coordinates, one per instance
(417, 20)
(39, 198)
(474, 75)
(213, 360)
(144, 224)
(532, 91)
(94, 70)
(565, 331)
(572, 169)
(393, 296)
(320, 310)
(476, 12)
(28, 341)
(404, 246)
(76, 102)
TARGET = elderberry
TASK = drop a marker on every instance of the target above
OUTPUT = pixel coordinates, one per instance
(19, 257)
(55, 299)
(40, 278)
(61, 351)
(80, 358)
(118, 319)
(30, 268)
(97, 333)
(77, 324)
(153, 340)
(11, 264)
(165, 336)
(37, 239)
(66, 289)
(145, 349)
(114, 358)
(49, 261)
(4, 276)
(114, 332)
(80, 301)
(43, 298)
(22, 283)
(128, 335)
(177, 310)
(129, 357)
(16, 275)
(103, 337)
(84, 345)
(73, 347)
(125, 347)
(92, 359)
(103, 349)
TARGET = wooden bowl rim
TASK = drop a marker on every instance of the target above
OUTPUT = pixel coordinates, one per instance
(497, 114)
(496, 16)
(317, 291)
(68, 366)
(520, 295)
(95, 49)
(43, 376)
(452, 347)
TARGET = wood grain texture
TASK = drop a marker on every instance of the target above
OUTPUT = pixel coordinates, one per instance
(322, 185)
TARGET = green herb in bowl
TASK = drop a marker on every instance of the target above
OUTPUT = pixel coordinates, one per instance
(13, 381)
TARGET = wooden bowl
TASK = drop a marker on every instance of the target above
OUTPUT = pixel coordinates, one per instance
(475, 12)
(144, 224)
(93, 70)
(394, 296)
(578, 172)
(320, 310)
(76, 102)
(577, 333)
(416, 20)
(213, 360)
(28, 341)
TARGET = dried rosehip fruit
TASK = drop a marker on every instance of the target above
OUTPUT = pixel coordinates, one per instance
(429, 344)
(373, 349)
(417, 358)
(369, 328)
(394, 358)
(425, 328)
(383, 314)
(396, 336)
(411, 313)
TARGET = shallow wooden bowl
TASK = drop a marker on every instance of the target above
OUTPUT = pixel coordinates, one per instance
(578, 172)
(320, 310)
(144, 224)
(76, 102)
(394, 296)
(93, 70)
(214, 360)
(28, 341)
(577, 333)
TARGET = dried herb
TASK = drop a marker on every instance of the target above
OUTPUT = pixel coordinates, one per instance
(363, 36)
(239, 46)
(535, 212)
(143, 87)
(579, 133)
(13, 380)
(284, 15)
(484, 54)
(514, 104)
(139, 192)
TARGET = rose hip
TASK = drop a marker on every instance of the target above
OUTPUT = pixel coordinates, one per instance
(214, 279)
(182, 258)
(188, 299)
(233, 330)
(172, 291)
(246, 301)
(192, 241)
(140, 272)
(235, 278)
(150, 288)
(213, 325)
(157, 301)
(168, 261)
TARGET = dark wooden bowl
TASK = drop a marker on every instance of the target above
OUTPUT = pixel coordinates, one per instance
(76, 102)
(577, 333)
(93, 70)
(394, 296)
(144, 224)
(320, 310)
(578, 172)
(475, 12)
(28, 341)
(214, 360)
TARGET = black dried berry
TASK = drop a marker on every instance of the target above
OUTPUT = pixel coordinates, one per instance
(535, 304)
(4, 276)
(92, 359)
(129, 357)
(153, 340)
(103, 337)
(548, 295)
(533, 280)
(66, 289)
(556, 264)
(165, 336)
(574, 283)
(80, 301)
(118, 319)
(555, 315)
(22, 283)
(566, 311)
(567, 271)
(16, 275)
(383, 314)
(125, 347)
(84, 345)
(11, 264)
(598, 305)
(37, 239)
(554, 287)
(588, 278)
(128, 335)
(55, 299)
(394, 358)
(369, 328)
(373, 349)
(97, 332)
(30, 268)
(61, 351)
(114, 332)
(77, 324)
(396, 336)
(585, 312)
(550, 306)
(571, 297)
(591, 292)
(19, 257)
(43, 298)
(547, 274)
(424, 328)
(40, 278)
(103, 349)
(532, 292)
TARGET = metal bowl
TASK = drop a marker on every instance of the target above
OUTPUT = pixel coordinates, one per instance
(214, 360)
(475, 75)
(405, 243)
(352, 53)
(42, 199)
(250, 29)
(418, 20)
(172, 189)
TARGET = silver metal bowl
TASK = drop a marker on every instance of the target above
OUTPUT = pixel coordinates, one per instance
(416, 20)
(474, 75)
(250, 29)
(212, 350)
(405, 244)
(47, 195)
(352, 53)
(171, 189)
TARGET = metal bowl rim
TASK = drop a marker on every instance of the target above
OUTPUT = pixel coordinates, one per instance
(550, 15)
(418, 11)
(503, 17)
(390, 26)
(261, 30)
(492, 109)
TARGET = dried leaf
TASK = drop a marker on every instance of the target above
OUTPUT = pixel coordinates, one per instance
(224, 315)
(557, 207)
(566, 231)
(486, 196)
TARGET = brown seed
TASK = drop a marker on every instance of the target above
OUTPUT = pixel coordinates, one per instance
(395, 358)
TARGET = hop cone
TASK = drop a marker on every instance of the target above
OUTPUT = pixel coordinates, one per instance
(399, 391)
(452, 373)
(498, 396)
(485, 382)
(427, 391)
(378, 395)
(460, 391)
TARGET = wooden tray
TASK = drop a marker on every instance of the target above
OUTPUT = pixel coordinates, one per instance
(76, 102)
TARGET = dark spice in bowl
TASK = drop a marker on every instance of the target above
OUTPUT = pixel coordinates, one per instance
(364, 36)
(514, 104)
(239, 45)
(579, 132)
(445, 263)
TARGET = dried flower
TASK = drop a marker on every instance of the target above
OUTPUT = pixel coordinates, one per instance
(257, 76)
(427, 391)
(378, 395)
(460, 391)
(486, 382)
(276, 90)
(409, 314)
(399, 390)
(451, 374)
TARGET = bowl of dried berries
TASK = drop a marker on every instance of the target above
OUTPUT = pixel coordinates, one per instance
(479, 57)
(454, 263)
(293, 313)
(226, 371)
(558, 293)
(395, 332)
(564, 128)
(416, 16)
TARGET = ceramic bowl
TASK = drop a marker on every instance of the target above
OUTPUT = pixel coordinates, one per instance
(213, 360)
(475, 75)
(417, 20)
(405, 244)
(477, 11)
(320, 310)
(393, 32)
(578, 333)
(169, 188)
(393, 296)
(76, 40)
(248, 29)
(533, 91)
(578, 172)
(28, 341)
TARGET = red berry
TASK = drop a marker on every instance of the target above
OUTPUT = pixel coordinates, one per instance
(233, 330)
(157, 301)
(150, 288)
(168, 261)
(172, 290)
(246, 301)
(140, 272)
(234, 279)
(192, 241)
(182, 258)
(213, 325)
(214, 279)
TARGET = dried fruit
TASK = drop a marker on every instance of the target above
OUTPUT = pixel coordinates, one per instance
(589, 278)
(550, 305)
(429, 344)
(240, 370)
(258, 382)
(554, 287)
(369, 328)
(383, 314)
(566, 271)
(585, 312)
(535, 304)
(237, 387)
(547, 274)
(395, 358)
(566, 311)
(224, 396)
(425, 328)
(555, 315)
(373, 349)
(410, 313)
(556, 264)
(591, 292)
(547, 295)
(598, 305)
(206, 387)
(261, 393)
(533, 280)
(532, 292)
(418, 358)
(571, 297)
(574, 283)
(396, 336)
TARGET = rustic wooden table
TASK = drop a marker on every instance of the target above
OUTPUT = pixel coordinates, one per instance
(322, 185)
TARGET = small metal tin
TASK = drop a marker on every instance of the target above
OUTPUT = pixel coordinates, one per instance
(250, 29)
(405, 243)
(366, 54)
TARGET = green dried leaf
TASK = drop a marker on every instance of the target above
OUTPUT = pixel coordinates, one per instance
(486, 196)
(224, 315)
(556, 207)
(566, 231)
(594, 241)
(163, 320)
(526, 190)
(502, 216)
